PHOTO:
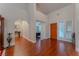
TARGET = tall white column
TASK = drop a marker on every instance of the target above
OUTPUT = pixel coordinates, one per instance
(77, 27)
(32, 18)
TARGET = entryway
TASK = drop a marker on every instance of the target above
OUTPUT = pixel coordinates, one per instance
(38, 30)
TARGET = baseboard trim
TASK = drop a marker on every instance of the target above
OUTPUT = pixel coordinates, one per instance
(64, 40)
(33, 41)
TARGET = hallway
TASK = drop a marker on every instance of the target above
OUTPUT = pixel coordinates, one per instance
(46, 47)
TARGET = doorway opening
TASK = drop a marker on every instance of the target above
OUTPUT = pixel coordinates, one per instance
(38, 30)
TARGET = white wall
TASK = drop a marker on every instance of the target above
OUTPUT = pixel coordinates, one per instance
(32, 17)
(12, 12)
(66, 13)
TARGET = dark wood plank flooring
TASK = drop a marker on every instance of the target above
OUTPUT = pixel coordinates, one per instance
(47, 47)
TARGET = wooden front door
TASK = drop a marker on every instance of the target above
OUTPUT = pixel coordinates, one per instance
(1, 32)
(53, 31)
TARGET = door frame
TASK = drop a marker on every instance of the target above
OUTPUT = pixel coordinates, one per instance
(2, 31)
(43, 30)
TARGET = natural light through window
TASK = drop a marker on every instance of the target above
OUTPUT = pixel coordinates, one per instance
(61, 29)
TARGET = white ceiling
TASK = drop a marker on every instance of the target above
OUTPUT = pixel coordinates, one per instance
(49, 7)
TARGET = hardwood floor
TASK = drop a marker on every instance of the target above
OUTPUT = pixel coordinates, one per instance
(47, 47)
